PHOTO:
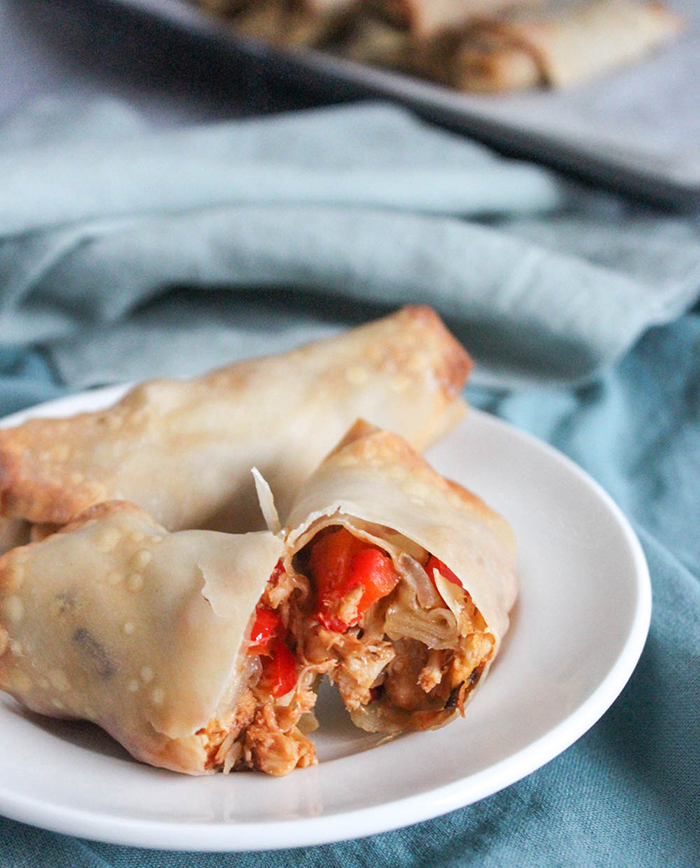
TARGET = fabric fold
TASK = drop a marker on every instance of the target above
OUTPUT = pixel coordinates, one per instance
(109, 228)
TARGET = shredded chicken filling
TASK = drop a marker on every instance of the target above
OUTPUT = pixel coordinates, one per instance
(263, 730)
(408, 659)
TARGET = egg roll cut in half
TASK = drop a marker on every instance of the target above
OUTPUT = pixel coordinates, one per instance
(183, 449)
(182, 646)
(412, 579)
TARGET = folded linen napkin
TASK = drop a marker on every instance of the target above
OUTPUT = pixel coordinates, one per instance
(342, 212)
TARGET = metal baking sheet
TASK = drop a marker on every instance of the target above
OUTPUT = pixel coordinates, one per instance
(636, 130)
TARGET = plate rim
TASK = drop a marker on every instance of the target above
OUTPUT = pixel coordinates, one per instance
(299, 832)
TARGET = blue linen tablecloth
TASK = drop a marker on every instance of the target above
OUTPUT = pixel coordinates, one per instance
(127, 253)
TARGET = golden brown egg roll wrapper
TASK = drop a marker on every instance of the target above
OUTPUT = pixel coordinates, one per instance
(370, 40)
(273, 22)
(424, 18)
(183, 449)
(559, 46)
(14, 532)
(232, 8)
(116, 621)
(297, 23)
(379, 488)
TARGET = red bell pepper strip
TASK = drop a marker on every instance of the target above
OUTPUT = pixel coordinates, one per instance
(375, 571)
(445, 572)
(266, 628)
(277, 572)
(280, 669)
(340, 562)
(267, 639)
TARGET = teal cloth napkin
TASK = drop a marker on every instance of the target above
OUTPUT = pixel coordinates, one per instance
(317, 217)
(103, 276)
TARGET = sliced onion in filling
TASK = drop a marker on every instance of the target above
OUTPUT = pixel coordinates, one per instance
(415, 575)
(435, 628)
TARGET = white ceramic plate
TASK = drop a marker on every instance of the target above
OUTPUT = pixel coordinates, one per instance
(577, 633)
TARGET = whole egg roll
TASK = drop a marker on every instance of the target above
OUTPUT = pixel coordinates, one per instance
(180, 645)
(412, 579)
(558, 46)
(183, 449)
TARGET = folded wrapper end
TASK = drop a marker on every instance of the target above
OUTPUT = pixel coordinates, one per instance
(266, 499)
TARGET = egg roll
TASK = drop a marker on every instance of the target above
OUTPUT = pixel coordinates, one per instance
(370, 40)
(180, 645)
(558, 46)
(183, 449)
(293, 23)
(423, 18)
(412, 579)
